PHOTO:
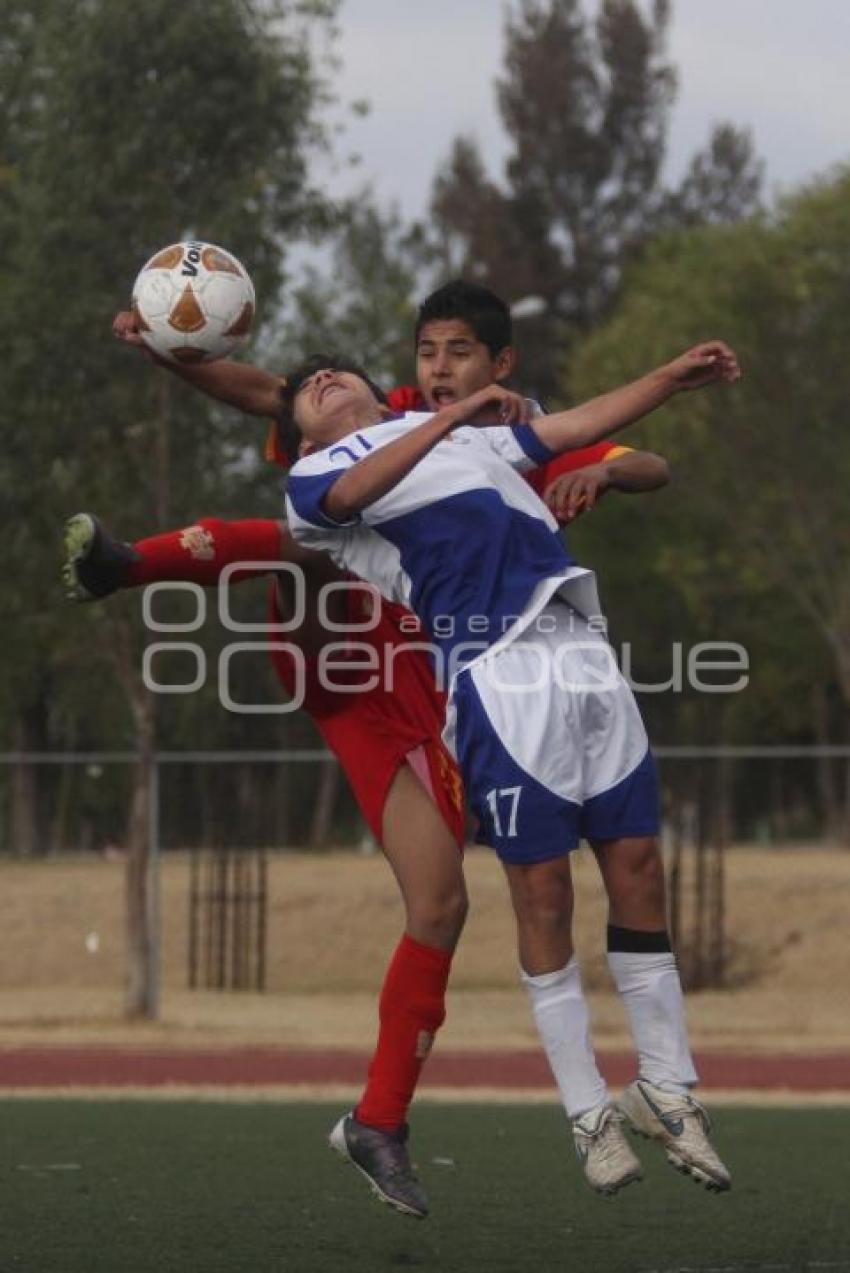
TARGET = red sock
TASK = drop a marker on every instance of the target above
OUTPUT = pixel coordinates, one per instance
(200, 552)
(412, 1009)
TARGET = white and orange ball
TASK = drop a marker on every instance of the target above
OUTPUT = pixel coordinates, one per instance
(193, 302)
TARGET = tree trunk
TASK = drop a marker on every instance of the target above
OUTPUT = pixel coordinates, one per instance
(162, 453)
(325, 801)
(27, 829)
(142, 883)
(249, 829)
(698, 978)
(674, 885)
(282, 806)
(779, 823)
(831, 811)
(723, 830)
(141, 990)
(23, 829)
(59, 822)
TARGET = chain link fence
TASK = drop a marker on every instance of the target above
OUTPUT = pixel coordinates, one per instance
(216, 819)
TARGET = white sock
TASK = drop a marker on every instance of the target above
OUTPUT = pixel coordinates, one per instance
(652, 993)
(560, 1011)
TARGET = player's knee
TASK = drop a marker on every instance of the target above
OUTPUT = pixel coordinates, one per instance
(639, 875)
(452, 910)
(438, 920)
(543, 897)
(646, 869)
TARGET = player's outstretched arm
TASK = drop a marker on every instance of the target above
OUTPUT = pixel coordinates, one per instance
(238, 384)
(372, 477)
(631, 472)
(712, 362)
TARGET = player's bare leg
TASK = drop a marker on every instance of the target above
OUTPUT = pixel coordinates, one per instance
(659, 1103)
(427, 864)
(633, 875)
(542, 895)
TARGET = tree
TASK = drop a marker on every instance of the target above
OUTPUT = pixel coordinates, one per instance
(722, 184)
(361, 303)
(124, 128)
(586, 106)
(761, 517)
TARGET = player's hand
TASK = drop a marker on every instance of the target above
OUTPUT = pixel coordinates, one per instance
(125, 327)
(575, 493)
(712, 362)
(494, 405)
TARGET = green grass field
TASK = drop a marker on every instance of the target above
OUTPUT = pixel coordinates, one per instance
(126, 1186)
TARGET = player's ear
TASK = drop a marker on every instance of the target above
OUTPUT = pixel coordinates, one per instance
(504, 363)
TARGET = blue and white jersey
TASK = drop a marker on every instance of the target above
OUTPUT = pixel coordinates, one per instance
(462, 540)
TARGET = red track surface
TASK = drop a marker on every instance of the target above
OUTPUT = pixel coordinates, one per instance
(116, 1067)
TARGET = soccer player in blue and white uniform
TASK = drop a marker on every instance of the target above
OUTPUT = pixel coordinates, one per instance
(432, 510)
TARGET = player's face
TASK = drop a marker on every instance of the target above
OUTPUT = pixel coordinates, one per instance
(452, 363)
(331, 403)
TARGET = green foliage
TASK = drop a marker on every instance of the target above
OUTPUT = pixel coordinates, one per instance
(753, 540)
(362, 304)
(125, 127)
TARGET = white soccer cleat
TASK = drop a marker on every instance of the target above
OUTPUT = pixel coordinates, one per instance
(603, 1150)
(681, 1125)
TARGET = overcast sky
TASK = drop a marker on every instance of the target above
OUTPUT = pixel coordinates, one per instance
(780, 67)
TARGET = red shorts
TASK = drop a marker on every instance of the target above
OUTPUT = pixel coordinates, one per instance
(374, 733)
(372, 770)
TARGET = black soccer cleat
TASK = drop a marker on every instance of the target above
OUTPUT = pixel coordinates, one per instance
(95, 564)
(383, 1159)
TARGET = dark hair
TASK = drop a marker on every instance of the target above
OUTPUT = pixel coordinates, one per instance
(484, 311)
(288, 433)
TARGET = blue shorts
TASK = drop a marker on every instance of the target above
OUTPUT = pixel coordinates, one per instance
(551, 743)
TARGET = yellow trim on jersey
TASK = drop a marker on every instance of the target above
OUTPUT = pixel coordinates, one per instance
(617, 450)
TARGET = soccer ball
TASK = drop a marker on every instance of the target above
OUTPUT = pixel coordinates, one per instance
(193, 302)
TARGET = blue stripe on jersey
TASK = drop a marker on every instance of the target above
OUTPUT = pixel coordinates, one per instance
(307, 494)
(470, 558)
(536, 450)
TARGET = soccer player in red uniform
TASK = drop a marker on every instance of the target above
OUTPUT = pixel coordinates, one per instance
(387, 738)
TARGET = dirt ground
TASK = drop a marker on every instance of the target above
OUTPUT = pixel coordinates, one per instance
(334, 918)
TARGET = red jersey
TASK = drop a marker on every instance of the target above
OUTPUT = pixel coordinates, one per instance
(542, 478)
